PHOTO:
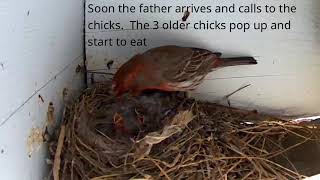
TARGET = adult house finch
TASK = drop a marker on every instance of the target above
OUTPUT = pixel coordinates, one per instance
(170, 68)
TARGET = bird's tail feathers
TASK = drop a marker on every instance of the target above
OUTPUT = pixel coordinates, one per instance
(235, 61)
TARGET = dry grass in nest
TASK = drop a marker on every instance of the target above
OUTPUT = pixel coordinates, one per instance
(202, 141)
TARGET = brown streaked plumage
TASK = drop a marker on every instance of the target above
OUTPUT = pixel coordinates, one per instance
(170, 68)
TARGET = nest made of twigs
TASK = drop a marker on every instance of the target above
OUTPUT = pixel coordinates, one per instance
(200, 140)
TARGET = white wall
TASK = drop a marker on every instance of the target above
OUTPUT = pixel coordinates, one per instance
(41, 44)
(286, 80)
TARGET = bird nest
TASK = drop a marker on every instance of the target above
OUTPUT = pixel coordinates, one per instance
(167, 136)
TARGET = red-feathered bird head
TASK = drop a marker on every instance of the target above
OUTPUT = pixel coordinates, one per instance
(125, 78)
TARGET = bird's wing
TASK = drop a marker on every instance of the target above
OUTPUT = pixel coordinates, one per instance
(218, 54)
(189, 64)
